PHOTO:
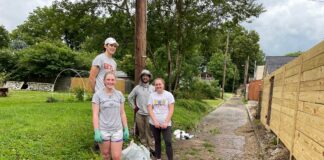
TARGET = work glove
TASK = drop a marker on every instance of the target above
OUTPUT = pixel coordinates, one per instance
(125, 134)
(97, 136)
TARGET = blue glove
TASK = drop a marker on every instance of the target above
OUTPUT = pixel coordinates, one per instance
(125, 134)
(97, 136)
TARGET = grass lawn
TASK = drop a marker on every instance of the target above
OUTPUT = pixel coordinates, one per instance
(30, 128)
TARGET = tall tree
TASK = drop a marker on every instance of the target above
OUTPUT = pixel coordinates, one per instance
(64, 20)
(244, 44)
(4, 37)
(183, 26)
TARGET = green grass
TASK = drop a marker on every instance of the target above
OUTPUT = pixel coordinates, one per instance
(188, 113)
(30, 128)
(228, 95)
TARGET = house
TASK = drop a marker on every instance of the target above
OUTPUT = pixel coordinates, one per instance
(258, 74)
(275, 62)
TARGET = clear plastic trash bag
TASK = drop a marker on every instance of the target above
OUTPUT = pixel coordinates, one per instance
(135, 152)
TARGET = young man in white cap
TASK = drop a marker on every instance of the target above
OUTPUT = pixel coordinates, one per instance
(103, 63)
(138, 98)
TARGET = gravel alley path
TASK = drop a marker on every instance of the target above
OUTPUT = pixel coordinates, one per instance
(220, 135)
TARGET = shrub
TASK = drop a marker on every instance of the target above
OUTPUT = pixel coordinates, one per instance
(8, 60)
(198, 89)
(79, 93)
(43, 60)
(51, 100)
(3, 78)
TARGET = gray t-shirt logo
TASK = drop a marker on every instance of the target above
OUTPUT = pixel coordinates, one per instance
(108, 67)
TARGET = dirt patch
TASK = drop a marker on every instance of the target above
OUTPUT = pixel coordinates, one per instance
(251, 147)
(269, 148)
(272, 149)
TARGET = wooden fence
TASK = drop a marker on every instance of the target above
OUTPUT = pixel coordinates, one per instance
(84, 83)
(254, 90)
(293, 104)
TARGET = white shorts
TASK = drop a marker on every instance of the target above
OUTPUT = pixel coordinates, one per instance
(113, 136)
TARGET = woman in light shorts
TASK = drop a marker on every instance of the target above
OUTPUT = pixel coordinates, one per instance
(109, 119)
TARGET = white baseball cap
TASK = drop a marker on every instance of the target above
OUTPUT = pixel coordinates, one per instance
(111, 40)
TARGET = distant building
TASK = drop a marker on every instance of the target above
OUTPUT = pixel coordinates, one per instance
(206, 76)
(122, 75)
(258, 74)
(275, 62)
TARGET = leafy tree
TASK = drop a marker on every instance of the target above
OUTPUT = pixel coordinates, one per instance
(64, 20)
(216, 67)
(126, 64)
(42, 23)
(43, 60)
(188, 27)
(4, 37)
(182, 35)
(294, 53)
(18, 44)
(244, 44)
(199, 89)
(8, 60)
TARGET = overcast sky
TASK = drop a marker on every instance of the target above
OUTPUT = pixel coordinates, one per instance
(286, 26)
(289, 25)
(15, 12)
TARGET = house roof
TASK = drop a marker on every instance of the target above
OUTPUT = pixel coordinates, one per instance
(275, 62)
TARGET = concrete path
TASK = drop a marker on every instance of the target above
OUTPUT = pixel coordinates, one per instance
(223, 122)
(224, 134)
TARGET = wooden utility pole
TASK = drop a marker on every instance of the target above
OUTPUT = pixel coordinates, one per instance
(233, 87)
(140, 38)
(225, 61)
(246, 71)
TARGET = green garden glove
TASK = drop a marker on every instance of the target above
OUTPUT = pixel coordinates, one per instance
(125, 134)
(97, 136)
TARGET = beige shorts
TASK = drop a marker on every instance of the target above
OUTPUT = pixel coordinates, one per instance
(113, 136)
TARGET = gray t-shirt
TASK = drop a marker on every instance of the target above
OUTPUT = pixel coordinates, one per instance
(141, 92)
(160, 104)
(109, 109)
(105, 64)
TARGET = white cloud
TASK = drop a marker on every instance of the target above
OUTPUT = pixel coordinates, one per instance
(15, 12)
(289, 25)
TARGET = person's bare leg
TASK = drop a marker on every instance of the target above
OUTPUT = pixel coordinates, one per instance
(105, 149)
(116, 149)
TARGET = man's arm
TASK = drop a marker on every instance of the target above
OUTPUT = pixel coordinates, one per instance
(131, 98)
(92, 77)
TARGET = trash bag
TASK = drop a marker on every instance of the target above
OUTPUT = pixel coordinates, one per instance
(182, 135)
(136, 152)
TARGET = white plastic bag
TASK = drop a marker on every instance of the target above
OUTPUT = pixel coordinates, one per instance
(136, 152)
(182, 135)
